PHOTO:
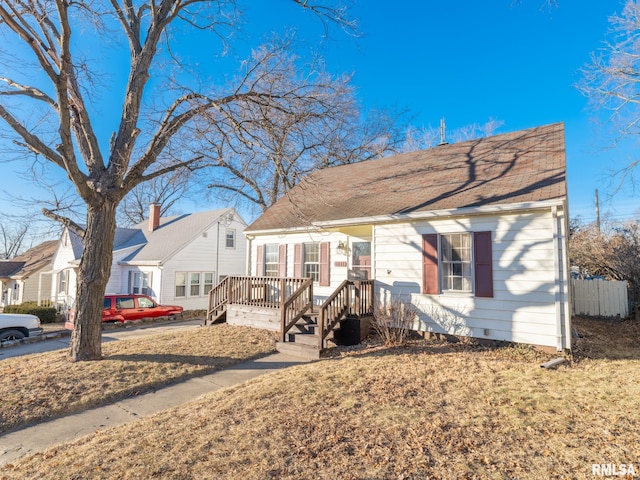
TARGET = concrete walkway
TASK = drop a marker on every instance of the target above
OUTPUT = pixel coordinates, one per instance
(64, 429)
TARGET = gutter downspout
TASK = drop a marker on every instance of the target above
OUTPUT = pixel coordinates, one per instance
(39, 302)
(160, 292)
(248, 259)
(557, 291)
(567, 277)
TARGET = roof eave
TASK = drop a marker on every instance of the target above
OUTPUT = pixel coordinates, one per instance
(432, 214)
(142, 263)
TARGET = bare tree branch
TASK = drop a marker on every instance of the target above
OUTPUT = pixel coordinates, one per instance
(67, 222)
(12, 240)
(27, 91)
(165, 191)
(611, 81)
(146, 143)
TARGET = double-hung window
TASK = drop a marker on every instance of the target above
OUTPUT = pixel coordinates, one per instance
(230, 239)
(63, 281)
(194, 284)
(139, 282)
(455, 259)
(457, 262)
(181, 284)
(208, 282)
(271, 260)
(311, 261)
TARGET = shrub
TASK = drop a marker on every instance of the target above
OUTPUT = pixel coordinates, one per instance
(45, 314)
(393, 320)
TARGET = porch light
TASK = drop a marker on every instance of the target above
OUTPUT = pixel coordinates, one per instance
(343, 248)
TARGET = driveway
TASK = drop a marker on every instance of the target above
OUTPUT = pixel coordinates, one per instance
(107, 336)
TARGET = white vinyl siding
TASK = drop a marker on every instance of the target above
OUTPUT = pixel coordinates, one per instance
(199, 255)
(523, 308)
(339, 262)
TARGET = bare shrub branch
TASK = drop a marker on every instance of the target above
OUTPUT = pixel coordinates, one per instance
(393, 320)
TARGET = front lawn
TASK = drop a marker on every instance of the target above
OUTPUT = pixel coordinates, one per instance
(429, 410)
(42, 386)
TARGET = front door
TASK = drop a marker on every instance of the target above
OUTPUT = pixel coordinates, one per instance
(361, 259)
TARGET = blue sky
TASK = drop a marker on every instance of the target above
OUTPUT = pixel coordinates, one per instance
(468, 62)
(464, 61)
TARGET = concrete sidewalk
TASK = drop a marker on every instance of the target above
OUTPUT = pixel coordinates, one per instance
(64, 429)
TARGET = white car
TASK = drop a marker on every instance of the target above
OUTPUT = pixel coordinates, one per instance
(16, 326)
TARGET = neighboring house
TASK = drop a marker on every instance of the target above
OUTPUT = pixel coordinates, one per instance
(474, 234)
(22, 278)
(175, 260)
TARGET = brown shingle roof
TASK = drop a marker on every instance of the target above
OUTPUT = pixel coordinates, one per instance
(523, 166)
(30, 261)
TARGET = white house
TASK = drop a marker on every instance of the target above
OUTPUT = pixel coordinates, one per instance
(175, 260)
(20, 278)
(474, 234)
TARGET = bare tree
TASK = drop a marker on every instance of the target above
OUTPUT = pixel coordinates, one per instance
(428, 137)
(319, 126)
(610, 81)
(13, 237)
(46, 102)
(612, 251)
(165, 191)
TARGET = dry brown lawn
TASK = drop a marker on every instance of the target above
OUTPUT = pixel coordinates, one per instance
(428, 410)
(46, 385)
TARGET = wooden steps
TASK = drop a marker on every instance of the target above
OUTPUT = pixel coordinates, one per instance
(303, 339)
(298, 350)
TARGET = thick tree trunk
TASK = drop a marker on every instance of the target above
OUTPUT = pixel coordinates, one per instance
(93, 275)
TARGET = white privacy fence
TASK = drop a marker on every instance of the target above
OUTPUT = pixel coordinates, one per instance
(600, 298)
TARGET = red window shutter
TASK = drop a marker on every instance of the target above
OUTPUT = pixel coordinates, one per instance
(297, 260)
(430, 263)
(324, 264)
(282, 260)
(483, 264)
(260, 260)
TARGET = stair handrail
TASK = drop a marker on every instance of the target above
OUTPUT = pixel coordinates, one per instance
(218, 297)
(295, 306)
(340, 303)
(332, 310)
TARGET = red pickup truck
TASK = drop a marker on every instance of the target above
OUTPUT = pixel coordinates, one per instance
(122, 306)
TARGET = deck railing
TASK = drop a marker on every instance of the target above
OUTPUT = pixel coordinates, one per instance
(350, 298)
(294, 297)
(269, 292)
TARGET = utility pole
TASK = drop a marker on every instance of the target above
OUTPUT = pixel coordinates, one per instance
(597, 213)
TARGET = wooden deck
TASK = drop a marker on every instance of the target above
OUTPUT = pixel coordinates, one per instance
(301, 322)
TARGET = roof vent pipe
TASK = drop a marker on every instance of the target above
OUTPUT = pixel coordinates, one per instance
(443, 133)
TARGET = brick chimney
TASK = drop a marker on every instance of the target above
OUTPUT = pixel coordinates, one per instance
(154, 216)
